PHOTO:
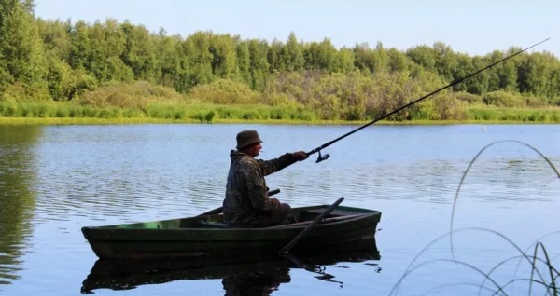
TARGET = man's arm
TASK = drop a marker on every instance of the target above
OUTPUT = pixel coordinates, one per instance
(276, 164)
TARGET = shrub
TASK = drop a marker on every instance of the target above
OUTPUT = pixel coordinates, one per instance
(129, 95)
(466, 97)
(209, 116)
(224, 91)
(501, 98)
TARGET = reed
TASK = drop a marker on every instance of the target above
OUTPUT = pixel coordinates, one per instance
(181, 110)
(542, 272)
(490, 113)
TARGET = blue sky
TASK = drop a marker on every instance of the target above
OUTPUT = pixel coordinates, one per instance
(475, 27)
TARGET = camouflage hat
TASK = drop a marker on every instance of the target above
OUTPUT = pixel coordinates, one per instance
(246, 138)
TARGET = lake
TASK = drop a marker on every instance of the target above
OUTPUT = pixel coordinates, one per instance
(56, 179)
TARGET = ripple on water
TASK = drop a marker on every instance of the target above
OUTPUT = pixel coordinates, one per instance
(76, 176)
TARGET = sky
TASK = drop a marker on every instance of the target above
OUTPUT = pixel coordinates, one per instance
(475, 27)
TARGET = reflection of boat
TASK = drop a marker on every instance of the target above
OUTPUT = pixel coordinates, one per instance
(205, 236)
(246, 276)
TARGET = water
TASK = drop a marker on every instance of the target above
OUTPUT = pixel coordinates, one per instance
(53, 180)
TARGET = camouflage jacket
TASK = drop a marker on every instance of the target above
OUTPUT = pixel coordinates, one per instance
(246, 191)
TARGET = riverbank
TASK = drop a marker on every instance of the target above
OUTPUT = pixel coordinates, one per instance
(22, 121)
(180, 111)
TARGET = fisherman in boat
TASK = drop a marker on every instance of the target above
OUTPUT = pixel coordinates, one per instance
(247, 202)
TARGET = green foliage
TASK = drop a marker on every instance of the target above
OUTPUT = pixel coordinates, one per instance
(135, 48)
(21, 50)
(352, 96)
(21, 92)
(258, 64)
(514, 114)
(62, 80)
(442, 107)
(135, 95)
(223, 91)
(108, 64)
(468, 98)
(501, 98)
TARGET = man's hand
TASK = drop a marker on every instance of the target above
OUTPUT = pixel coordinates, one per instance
(300, 155)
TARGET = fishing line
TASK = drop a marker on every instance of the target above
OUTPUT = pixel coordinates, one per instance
(383, 116)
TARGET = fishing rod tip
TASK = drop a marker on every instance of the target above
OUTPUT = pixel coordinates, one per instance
(535, 44)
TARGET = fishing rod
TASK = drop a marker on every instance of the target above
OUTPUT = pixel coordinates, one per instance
(383, 116)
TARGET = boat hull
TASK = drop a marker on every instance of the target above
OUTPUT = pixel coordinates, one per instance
(350, 228)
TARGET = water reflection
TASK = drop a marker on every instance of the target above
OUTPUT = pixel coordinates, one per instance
(97, 175)
(240, 276)
(17, 197)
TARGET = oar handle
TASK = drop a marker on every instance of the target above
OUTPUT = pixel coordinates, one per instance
(273, 192)
(309, 227)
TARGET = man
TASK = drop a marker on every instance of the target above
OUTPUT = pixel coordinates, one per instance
(247, 202)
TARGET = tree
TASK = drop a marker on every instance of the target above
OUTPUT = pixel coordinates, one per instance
(423, 56)
(29, 6)
(244, 62)
(397, 62)
(224, 58)
(138, 52)
(345, 61)
(21, 52)
(56, 37)
(168, 59)
(199, 57)
(293, 54)
(79, 52)
(364, 58)
(258, 50)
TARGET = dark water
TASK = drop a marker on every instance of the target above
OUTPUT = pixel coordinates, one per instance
(53, 180)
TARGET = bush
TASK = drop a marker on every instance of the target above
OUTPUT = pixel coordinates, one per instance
(466, 97)
(514, 114)
(209, 116)
(501, 98)
(18, 92)
(136, 95)
(224, 91)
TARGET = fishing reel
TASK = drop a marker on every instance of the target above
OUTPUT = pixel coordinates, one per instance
(321, 157)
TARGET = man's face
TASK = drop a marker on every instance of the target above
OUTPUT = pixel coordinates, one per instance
(254, 150)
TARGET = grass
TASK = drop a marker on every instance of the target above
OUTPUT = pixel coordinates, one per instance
(542, 270)
(524, 115)
(181, 111)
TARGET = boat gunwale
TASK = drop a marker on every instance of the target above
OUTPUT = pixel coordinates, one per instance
(209, 227)
(208, 233)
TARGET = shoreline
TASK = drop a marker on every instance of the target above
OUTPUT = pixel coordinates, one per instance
(23, 121)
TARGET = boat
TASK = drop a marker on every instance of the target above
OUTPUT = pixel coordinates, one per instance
(207, 237)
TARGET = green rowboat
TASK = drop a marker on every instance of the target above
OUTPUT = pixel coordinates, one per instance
(206, 236)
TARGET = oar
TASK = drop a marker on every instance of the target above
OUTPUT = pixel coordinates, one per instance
(212, 212)
(309, 227)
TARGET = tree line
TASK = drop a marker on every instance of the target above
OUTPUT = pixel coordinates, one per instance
(61, 60)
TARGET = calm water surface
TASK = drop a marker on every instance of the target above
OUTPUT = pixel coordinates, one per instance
(53, 180)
